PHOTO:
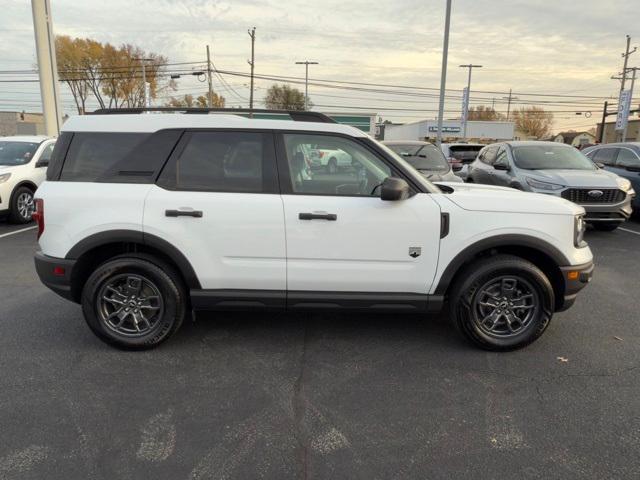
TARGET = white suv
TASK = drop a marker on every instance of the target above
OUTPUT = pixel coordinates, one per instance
(22, 168)
(144, 218)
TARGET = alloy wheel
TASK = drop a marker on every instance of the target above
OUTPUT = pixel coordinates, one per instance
(25, 205)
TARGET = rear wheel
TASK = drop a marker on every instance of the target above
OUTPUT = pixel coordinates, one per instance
(501, 303)
(134, 302)
(22, 206)
(605, 227)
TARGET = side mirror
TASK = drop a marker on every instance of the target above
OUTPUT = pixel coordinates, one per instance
(501, 166)
(599, 164)
(42, 163)
(393, 189)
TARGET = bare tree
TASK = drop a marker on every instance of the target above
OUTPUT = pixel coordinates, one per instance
(533, 121)
(482, 112)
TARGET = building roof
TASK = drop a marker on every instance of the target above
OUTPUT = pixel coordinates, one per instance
(152, 122)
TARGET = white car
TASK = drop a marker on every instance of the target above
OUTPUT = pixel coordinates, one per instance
(144, 218)
(330, 159)
(23, 162)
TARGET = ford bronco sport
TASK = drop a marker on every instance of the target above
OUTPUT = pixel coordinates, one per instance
(144, 218)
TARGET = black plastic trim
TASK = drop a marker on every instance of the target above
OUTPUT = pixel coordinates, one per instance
(59, 284)
(132, 236)
(444, 224)
(295, 115)
(511, 240)
(227, 299)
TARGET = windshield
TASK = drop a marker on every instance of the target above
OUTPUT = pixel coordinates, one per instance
(422, 157)
(550, 157)
(16, 153)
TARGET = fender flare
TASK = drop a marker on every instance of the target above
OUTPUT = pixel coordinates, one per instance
(507, 240)
(133, 236)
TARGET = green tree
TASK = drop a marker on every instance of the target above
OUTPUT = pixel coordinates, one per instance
(284, 97)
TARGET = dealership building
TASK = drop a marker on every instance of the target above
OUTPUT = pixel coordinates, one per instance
(427, 130)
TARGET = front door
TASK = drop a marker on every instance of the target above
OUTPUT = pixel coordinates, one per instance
(217, 202)
(341, 237)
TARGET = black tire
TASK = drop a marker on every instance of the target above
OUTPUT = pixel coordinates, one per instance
(332, 165)
(605, 227)
(159, 278)
(470, 286)
(469, 180)
(17, 197)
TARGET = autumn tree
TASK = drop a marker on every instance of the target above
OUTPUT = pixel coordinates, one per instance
(484, 113)
(533, 121)
(112, 75)
(188, 101)
(284, 97)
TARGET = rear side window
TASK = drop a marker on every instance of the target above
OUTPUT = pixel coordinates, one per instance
(627, 158)
(222, 161)
(606, 156)
(489, 155)
(92, 154)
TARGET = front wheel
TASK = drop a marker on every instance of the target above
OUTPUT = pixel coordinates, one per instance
(605, 227)
(501, 303)
(134, 302)
(22, 205)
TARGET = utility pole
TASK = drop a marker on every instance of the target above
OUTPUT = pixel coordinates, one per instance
(209, 80)
(625, 55)
(465, 108)
(604, 118)
(509, 99)
(252, 34)
(145, 89)
(306, 64)
(443, 74)
(47, 67)
(633, 81)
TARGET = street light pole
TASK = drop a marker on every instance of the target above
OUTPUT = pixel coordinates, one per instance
(443, 75)
(306, 64)
(466, 103)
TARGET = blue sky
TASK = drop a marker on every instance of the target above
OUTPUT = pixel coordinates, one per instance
(532, 46)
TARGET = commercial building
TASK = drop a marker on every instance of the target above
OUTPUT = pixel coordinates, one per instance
(21, 123)
(611, 135)
(479, 131)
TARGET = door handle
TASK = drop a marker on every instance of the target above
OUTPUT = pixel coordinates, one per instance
(183, 213)
(318, 216)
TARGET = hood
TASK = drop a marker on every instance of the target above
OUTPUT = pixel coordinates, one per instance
(575, 178)
(491, 198)
(435, 175)
(4, 168)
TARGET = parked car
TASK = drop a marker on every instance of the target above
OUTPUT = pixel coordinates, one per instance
(426, 158)
(144, 218)
(23, 162)
(460, 155)
(557, 169)
(328, 159)
(623, 159)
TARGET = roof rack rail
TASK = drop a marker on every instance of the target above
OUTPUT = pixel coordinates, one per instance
(296, 115)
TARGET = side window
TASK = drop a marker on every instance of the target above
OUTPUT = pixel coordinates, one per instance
(92, 154)
(328, 165)
(606, 156)
(222, 162)
(490, 155)
(46, 153)
(502, 158)
(627, 158)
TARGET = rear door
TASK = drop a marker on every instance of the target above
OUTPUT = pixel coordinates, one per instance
(341, 237)
(498, 176)
(483, 168)
(217, 201)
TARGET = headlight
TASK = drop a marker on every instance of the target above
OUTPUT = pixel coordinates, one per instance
(4, 177)
(623, 184)
(543, 185)
(578, 233)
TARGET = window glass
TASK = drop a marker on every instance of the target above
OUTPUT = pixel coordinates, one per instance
(502, 158)
(46, 153)
(219, 162)
(489, 155)
(606, 156)
(92, 154)
(326, 165)
(550, 157)
(627, 158)
(17, 153)
(422, 157)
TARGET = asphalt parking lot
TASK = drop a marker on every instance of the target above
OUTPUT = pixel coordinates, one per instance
(243, 396)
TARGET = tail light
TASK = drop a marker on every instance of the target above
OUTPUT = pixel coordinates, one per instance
(38, 216)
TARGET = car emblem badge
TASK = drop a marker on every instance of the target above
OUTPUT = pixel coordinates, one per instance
(415, 252)
(595, 193)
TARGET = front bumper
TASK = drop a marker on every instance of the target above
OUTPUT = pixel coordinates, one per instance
(55, 273)
(576, 277)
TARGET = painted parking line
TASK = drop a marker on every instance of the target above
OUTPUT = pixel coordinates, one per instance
(627, 230)
(18, 231)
